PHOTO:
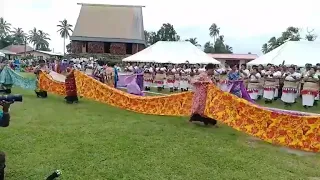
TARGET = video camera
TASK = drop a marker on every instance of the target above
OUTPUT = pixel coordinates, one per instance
(11, 98)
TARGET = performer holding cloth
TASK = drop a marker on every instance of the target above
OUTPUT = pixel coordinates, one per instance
(270, 84)
(176, 79)
(41, 67)
(200, 84)
(310, 88)
(254, 83)
(148, 79)
(70, 83)
(290, 86)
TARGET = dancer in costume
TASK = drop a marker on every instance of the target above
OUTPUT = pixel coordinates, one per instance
(253, 85)
(148, 79)
(170, 79)
(110, 75)
(270, 84)
(99, 72)
(70, 83)
(5, 80)
(184, 80)
(201, 83)
(290, 86)
(176, 84)
(234, 75)
(310, 88)
(41, 67)
(160, 78)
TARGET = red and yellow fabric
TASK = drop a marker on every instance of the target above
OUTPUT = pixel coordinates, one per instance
(171, 105)
(50, 85)
(299, 132)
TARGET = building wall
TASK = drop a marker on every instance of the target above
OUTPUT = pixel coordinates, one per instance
(98, 47)
(38, 55)
(225, 62)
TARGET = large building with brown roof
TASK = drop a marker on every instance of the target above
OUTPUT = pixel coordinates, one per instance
(111, 29)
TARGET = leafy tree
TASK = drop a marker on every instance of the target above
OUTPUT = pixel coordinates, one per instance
(65, 30)
(167, 33)
(208, 47)
(151, 37)
(214, 31)
(194, 41)
(291, 34)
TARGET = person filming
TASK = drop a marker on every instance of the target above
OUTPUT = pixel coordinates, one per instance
(4, 122)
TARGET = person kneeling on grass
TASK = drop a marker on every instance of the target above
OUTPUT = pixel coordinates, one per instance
(70, 83)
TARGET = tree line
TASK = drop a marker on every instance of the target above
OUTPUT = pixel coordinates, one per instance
(290, 34)
(168, 33)
(38, 38)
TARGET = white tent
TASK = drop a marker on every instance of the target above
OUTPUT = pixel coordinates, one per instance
(176, 52)
(292, 52)
(2, 54)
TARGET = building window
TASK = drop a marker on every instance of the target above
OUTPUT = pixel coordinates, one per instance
(129, 48)
(107, 47)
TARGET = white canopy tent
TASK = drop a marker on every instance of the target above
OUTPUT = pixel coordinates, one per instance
(176, 52)
(292, 52)
(2, 54)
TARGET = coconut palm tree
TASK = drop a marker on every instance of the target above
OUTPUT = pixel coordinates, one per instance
(42, 41)
(33, 36)
(5, 27)
(193, 41)
(19, 36)
(64, 31)
(229, 49)
(214, 31)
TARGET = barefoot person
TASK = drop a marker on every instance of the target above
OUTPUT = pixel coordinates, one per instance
(200, 84)
(70, 83)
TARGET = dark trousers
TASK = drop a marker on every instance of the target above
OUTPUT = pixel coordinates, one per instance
(42, 94)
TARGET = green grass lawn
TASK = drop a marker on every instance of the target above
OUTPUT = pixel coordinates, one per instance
(94, 141)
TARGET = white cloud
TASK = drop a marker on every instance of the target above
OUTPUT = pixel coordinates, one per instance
(238, 19)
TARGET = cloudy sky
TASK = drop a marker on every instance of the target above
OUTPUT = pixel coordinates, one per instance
(246, 24)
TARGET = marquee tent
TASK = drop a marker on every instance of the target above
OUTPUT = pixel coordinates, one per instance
(2, 54)
(175, 52)
(292, 52)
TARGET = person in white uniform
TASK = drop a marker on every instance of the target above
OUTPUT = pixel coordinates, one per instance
(290, 86)
(254, 83)
(310, 88)
(270, 84)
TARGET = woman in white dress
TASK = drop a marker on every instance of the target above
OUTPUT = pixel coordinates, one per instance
(184, 80)
(270, 84)
(262, 72)
(290, 86)
(254, 83)
(310, 88)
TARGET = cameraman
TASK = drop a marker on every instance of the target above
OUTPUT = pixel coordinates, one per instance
(4, 122)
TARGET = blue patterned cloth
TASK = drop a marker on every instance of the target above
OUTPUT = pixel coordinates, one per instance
(8, 76)
(236, 89)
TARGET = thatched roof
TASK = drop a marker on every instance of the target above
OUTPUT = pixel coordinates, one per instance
(109, 23)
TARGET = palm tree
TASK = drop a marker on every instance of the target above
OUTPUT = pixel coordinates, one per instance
(33, 36)
(19, 36)
(193, 41)
(64, 31)
(42, 41)
(272, 43)
(214, 31)
(5, 27)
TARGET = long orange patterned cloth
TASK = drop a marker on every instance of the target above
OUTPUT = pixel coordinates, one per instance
(299, 132)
